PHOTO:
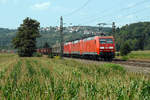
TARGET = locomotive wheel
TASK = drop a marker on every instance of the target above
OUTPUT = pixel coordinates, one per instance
(110, 59)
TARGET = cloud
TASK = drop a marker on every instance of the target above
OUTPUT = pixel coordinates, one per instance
(130, 16)
(131, 5)
(119, 16)
(83, 13)
(15, 1)
(3, 1)
(9, 1)
(147, 6)
(60, 9)
(41, 6)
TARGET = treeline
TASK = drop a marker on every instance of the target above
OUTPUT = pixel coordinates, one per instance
(51, 36)
(137, 35)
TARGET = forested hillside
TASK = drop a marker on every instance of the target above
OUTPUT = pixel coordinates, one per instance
(50, 35)
(6, 36)
(136, 34)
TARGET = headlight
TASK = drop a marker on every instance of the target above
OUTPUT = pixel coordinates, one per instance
(111, 47)
(101, 47)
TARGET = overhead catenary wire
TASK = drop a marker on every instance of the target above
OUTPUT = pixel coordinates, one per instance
(123, 9)
(132, 13)
(78, 9)
(105, 10)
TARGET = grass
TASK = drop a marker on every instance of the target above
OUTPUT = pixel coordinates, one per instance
(139, 55)
(43, 78)
(136, 55)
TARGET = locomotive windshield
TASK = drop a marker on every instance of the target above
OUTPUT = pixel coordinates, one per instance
(103, 41)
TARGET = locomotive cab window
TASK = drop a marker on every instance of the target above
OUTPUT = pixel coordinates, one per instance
(110, 41)
(103, 41)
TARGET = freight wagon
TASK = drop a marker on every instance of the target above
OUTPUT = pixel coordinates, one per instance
(44, 51)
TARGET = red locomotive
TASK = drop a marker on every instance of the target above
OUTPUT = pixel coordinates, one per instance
(93, 47)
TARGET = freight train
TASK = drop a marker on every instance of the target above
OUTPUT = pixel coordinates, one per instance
(97, 47)
(44, 51)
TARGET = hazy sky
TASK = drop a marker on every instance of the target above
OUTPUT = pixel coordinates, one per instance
(77, 12)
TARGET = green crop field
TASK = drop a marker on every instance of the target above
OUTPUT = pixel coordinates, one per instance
(54, 79)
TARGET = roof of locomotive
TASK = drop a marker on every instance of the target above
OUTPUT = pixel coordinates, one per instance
(87, 38)
(106, 37)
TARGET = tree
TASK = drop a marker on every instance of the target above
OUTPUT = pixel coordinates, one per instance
(137, 33)
(46, 45)
(25, 40)
(125, 49)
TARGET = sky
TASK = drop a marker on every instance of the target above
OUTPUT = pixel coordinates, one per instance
(74, 12)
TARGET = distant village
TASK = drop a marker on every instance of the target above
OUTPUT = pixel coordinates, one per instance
(72, 29)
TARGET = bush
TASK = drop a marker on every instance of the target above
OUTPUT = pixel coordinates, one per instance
(57, 57)
(50, 56)
(124, 58)
(125, 49)
(36, 54)
(117, 53)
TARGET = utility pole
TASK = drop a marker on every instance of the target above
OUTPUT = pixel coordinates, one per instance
(113, 28)
(61, 37)
(101, 28)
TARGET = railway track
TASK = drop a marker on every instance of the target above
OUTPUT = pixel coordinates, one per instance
(122, 62)
(131, 65)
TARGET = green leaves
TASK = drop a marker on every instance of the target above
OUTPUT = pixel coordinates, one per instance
(25, 40)
(125, 49)
(137, 34)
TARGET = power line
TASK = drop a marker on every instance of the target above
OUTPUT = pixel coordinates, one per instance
(123, 9)
(104, 11)
(134, 5)
(135, 12)
(77, 10)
